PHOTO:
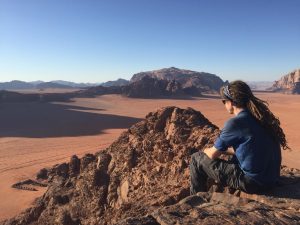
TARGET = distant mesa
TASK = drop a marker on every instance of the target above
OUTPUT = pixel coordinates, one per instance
(204, 82)
(289, 83)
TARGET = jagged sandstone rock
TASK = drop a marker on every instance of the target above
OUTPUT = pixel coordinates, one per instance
(143, 177)
(289, 83)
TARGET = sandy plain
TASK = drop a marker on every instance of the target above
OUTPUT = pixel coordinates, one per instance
(37, 135)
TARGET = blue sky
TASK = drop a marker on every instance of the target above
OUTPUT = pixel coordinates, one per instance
(96, 41)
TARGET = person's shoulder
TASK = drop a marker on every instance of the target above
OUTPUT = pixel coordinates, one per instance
(245, 117)
(232, 122)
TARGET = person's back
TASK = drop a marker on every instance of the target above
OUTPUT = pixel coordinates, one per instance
(258, 153)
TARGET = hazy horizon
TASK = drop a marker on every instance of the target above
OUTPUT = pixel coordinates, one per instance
(99, 41)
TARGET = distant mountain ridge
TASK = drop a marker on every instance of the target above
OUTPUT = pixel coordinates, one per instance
(289, 83)
(16, 84)
(73, 84)
(22, 85)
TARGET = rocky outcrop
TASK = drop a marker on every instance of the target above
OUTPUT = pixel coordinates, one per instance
(289, 83)
(145, 168)
(204, 82)
(143, 178)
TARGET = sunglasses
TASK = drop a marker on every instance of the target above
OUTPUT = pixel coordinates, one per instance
(224, 101)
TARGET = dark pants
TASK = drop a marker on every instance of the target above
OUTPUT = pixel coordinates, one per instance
(223, 172)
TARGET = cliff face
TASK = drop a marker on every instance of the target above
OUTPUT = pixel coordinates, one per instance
(289, 83)
(143, 178)
(205, 82)
(149, 87)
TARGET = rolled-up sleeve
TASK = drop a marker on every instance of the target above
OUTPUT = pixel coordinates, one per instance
(228, 136)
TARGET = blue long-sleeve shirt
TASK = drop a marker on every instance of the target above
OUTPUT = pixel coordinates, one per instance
(258, 154)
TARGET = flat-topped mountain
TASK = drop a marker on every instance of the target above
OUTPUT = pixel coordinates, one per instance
(205, 82)
(143, 178)
(289, 83)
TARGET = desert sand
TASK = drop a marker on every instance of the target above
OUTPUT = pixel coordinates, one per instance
(37, 135)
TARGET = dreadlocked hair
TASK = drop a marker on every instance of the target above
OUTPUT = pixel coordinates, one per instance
(241, 96)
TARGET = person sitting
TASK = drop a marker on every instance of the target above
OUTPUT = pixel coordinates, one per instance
(254, 139)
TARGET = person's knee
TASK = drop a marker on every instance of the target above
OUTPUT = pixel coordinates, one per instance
(196, 158)
(197, 155)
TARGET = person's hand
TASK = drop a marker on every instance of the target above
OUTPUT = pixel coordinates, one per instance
(229, 151)
(212, 152)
